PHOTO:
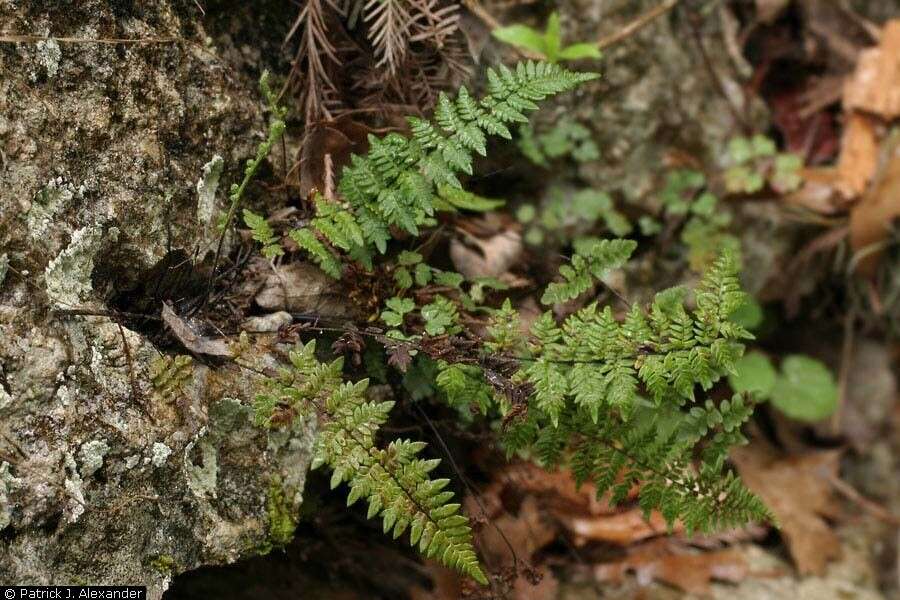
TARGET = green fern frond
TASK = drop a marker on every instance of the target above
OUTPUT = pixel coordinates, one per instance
(594, 263)
(320, 253)
(393, 480)
(262, 232)
(169, 374)
(401, 181)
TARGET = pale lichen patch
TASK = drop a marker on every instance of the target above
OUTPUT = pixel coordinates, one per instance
(47, 204)
(159, 454)
(7, 481)
(68, 276)
(48, 55)
(207, 187)
(92, 454)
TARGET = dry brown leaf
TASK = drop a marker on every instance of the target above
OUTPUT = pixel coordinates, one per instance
(302, 288)
(527, 532)
(556, 490)
(798, 492)
(193, 341)
(859, 155)
(326, 148)
(871, 217)
(818, 191)
(492, 257)
(691, 573)
(875, 84)
(622, 529)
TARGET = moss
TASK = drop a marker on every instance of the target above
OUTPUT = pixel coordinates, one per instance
(164, 564)
(282, 517)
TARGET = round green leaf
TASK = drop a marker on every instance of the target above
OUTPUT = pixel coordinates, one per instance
(748, 315)
(806, 389)
(753, 373)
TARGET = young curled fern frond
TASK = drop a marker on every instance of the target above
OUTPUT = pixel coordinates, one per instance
(394, 480)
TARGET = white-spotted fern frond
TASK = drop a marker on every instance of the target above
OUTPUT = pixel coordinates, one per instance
(394, 480)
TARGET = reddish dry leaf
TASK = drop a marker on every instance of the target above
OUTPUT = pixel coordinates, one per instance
(871, 217)
(812, 136)
(859, 155)
(556, 490)
(875, 84)
(798, 492)
(623, 529)
(524, 533)
(691, 573)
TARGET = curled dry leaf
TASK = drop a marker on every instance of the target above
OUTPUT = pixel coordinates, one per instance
(798, 491)
(492, 257)
(667, 563)
(326, 148)
(621, 529)
(192, 340)
(874, 86)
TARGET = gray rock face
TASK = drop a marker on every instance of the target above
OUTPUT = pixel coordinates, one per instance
(114, 469)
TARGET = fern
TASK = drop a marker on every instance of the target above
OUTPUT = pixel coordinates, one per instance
(320, 253)
(169, 374)
(589, 375)
(596, 261)
(262, 233)
(402, 181)
(394, 480)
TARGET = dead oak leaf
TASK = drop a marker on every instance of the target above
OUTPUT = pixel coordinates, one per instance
(523, 534)
(874, 86)
(798, 491)
(669, 564)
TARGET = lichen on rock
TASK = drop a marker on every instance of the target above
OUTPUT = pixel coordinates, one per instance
(109, 469)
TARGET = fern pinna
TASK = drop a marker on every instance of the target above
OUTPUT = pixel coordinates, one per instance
(394, 480)
(402, 181)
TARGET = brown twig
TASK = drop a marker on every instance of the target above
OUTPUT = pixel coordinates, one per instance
(637, 24)
(14, 38)
(871, 507)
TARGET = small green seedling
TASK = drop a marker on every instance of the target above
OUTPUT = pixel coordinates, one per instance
(547, 44)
